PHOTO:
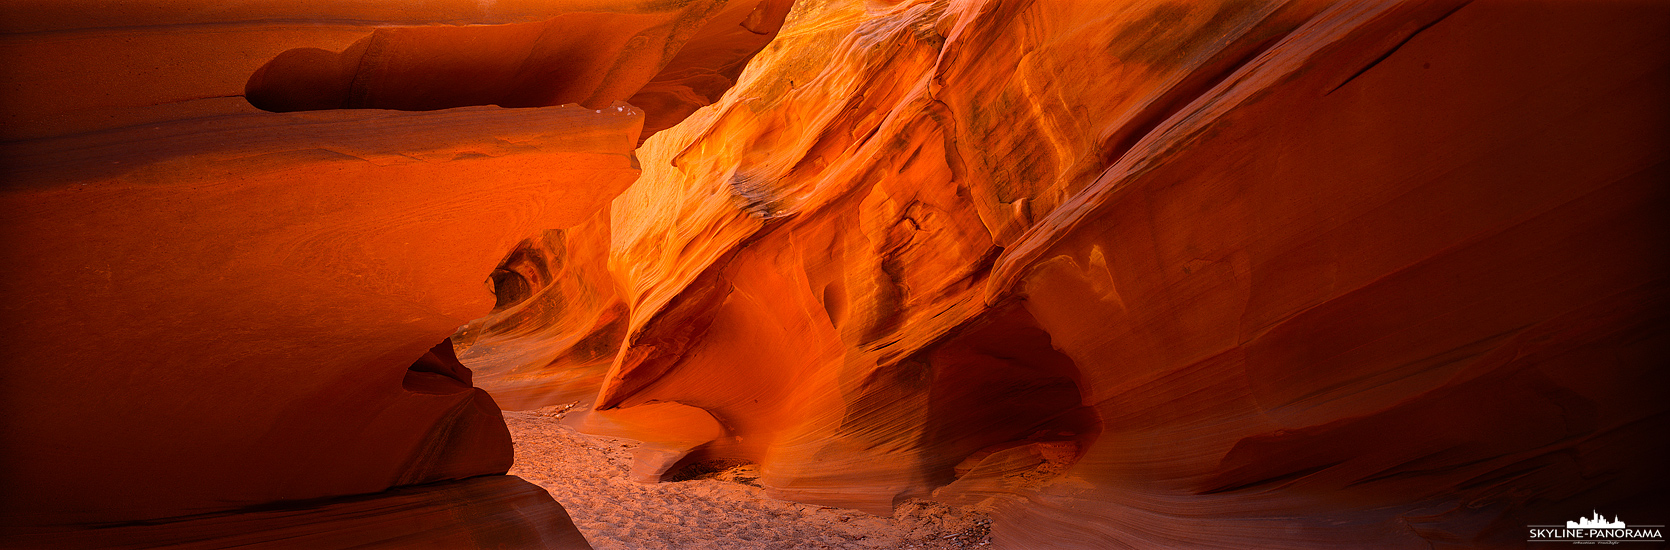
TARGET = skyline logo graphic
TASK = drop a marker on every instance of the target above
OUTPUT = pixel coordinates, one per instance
(1596, 530)
(1598, 522)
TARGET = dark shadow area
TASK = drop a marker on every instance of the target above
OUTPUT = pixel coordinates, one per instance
(438, 372)
(1000, 385)
(565, 59)
(718, 469)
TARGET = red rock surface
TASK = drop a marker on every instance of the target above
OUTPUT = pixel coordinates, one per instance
(1153, 274)
(213, 307)
(480, 512)
(1261, 273)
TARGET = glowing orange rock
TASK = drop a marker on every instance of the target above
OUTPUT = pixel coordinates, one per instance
(216, 307)
(1281, 274)
(673, 429)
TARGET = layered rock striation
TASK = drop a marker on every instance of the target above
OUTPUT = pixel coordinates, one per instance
(237, 239)
(1154, 274)
(1257, 273)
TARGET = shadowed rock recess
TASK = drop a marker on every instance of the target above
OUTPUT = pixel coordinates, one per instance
(1153, 274)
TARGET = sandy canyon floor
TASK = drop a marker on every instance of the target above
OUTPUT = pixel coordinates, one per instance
(715, 510)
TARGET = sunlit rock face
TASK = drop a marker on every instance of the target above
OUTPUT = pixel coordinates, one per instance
(237, 238)
(1158, 274)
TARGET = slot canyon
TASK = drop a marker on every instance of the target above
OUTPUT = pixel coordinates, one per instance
(1106, 274)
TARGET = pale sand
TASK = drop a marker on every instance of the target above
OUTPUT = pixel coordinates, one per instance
(720, 511)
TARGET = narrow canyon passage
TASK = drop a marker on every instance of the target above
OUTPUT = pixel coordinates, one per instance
(718, 509)
(833, 274)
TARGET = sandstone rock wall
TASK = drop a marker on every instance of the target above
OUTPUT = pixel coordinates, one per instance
(215, 306)
(1157, 274)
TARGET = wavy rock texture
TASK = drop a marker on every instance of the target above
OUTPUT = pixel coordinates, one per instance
(214, 307)
(1156, 274)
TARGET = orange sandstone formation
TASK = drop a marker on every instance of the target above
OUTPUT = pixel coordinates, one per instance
(1157, 274)
(230, 326)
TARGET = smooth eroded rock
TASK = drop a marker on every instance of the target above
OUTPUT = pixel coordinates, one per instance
(1282, 274)
(217, 306)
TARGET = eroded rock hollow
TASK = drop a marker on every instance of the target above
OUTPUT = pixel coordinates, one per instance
(1250, 274)
(1144, 274)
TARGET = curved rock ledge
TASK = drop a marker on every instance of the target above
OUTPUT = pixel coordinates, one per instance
(216, 307)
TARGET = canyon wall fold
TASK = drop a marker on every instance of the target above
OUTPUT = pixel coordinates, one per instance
(238, 238)
(1145, 274)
